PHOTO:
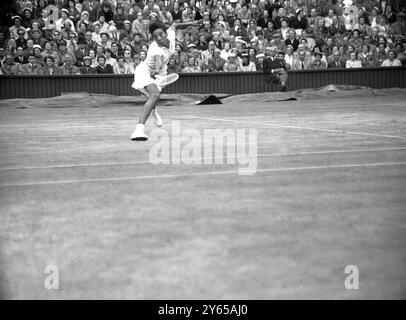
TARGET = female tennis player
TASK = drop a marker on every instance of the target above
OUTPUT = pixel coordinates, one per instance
(150, 76)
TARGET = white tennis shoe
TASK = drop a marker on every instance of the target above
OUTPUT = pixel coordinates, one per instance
(139, 134)
(157, 117)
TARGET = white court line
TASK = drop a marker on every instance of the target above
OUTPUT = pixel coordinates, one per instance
(194, 174)
(298, 127)
(60, 166)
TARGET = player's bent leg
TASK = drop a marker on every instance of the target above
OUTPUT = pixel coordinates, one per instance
(153, 98)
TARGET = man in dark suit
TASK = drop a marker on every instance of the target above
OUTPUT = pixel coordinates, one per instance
(337, 62)
(81, 52)
(20, 56)
(274, 68)
(90, 43)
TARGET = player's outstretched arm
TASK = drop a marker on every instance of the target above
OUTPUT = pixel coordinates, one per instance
(182, 25)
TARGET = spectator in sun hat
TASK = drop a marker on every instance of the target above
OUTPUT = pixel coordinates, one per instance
(105, 39)
(85, 19)
(373, 18)
(87, 68)
(16, 26)
(27, 18)
(246, 64)
(221, 27)
(259, 61)
(63, 19)
(232, 63)
(240, 44)
(289, 56)
(277, 41)
(37, 51)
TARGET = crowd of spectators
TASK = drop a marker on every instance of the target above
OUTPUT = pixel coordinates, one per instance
(111, 36)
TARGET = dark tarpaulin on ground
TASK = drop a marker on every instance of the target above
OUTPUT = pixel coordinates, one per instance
(84, 99)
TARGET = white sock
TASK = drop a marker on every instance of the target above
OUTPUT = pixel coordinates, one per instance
(140, 127)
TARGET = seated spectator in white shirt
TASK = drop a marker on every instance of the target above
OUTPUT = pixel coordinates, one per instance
(353, 62)
(247, 65)
(120, 67)
(391, 61)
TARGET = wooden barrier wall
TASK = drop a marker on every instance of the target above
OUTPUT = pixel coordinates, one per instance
(42, 86)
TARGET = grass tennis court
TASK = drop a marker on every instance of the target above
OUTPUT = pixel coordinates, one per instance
(329, 191)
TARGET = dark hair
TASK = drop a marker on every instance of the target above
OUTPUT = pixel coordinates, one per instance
(156, 25)
(49, 57)
(393, 53)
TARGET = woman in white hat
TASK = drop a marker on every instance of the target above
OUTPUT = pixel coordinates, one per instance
(63, 19)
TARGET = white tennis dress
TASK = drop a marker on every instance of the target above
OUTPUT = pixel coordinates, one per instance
(156, 61)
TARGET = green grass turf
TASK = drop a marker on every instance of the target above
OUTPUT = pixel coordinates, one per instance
(72, 194)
